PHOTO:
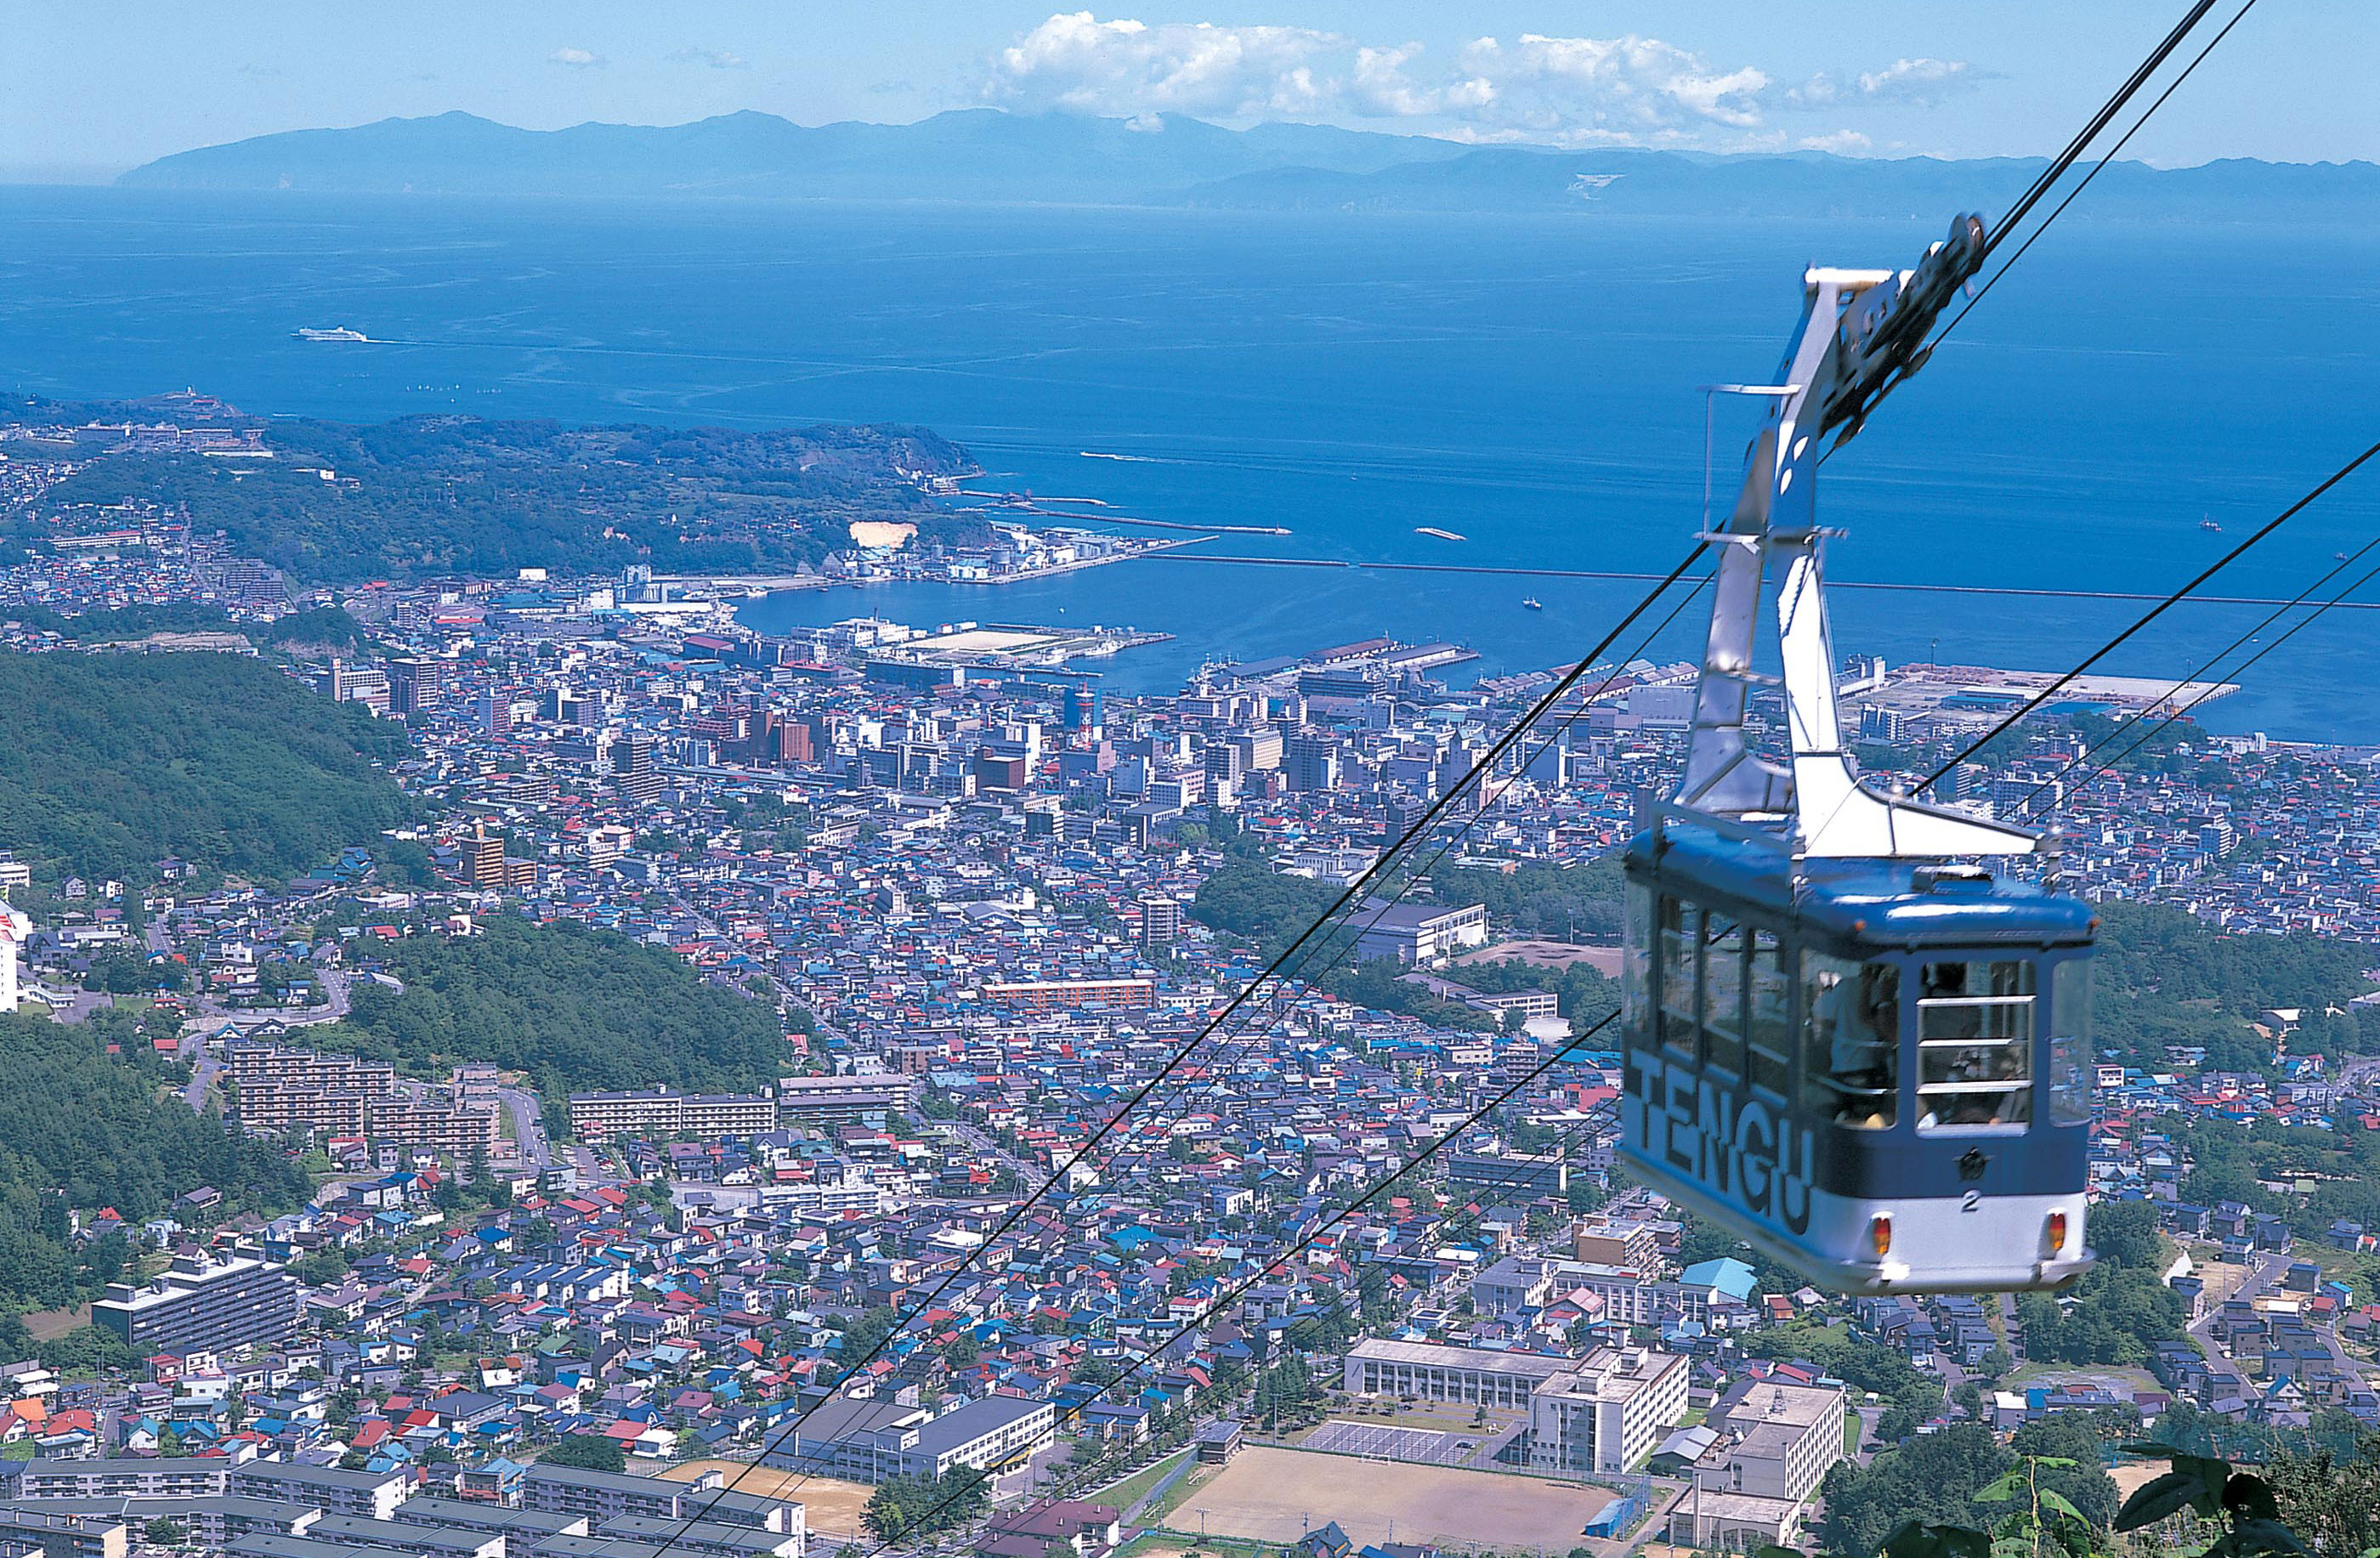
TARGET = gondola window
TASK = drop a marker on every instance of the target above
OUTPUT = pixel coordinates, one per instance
(2070, 1044)
(1680, 938)
(1723, 996)
(1974, 1044)
(1854, 1054)
(1771, 1018)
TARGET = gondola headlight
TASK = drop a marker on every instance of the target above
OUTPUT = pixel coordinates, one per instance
(2053, 1231)
(1879, 1233)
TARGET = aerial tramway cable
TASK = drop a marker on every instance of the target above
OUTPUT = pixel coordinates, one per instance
(2058, 169)
(1495, 752)
(2099, 121)
(2194, 674)
(2167, 603)
(2096, 168)
(1216, 1070)
(1371, 1193)
(2171, 715)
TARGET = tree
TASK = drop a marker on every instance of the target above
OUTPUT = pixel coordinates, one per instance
(117, 761)
(904, 1508)
(863, 1335)
(576, 1007)
(2335, 1506)
(2068, 1450)
(2244, 1507)
(166, 1532)
(587, 1452)
(1933, 1478)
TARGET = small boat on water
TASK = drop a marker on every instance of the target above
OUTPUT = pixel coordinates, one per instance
(337, 333)
(2210, 524)
(1433, 531)
(1530, 603)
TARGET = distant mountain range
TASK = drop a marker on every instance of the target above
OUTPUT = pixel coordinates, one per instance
(984, 155)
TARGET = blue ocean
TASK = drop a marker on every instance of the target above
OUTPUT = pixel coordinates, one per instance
(1528, 384)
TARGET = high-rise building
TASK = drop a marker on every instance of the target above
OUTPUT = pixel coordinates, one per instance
(1259, 749)
(202, 1303)
(1311, 762)
(366, 685)
(1161, 921)
(415, 685)
(487, 859)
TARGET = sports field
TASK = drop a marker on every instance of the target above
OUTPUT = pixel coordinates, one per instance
(1276, 1495)
(828, 1503)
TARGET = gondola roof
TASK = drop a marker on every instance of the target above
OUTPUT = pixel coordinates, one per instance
(1873, 901)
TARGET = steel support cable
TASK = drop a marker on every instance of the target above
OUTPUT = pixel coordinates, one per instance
(2099, 121)
(1245, 1034)
(2204, 666)
(2096, 168)
(2057, 168)
(1221, 1069)
(1436, 1229)
(2066, 677)
(1485, 764)
(2093, 777)
(1371, 1193)
(2026, 203)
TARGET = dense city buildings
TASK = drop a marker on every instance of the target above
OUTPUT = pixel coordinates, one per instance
(993, 930)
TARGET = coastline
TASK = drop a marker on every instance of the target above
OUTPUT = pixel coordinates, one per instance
(776, 583)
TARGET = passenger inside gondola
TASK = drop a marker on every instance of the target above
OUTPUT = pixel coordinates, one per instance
(1974, 1042)
(1855, 1022)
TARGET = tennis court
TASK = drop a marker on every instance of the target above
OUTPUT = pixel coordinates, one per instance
(1382, 1441)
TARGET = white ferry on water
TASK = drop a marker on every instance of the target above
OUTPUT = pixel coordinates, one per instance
(338, 333)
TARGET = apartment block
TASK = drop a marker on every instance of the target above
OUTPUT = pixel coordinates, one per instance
(202, 1304)
(455, 1126)
(825, 1101)
(663, 1111)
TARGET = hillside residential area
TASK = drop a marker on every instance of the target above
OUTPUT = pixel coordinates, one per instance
(732, 1085)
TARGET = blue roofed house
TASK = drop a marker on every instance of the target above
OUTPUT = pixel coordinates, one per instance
(1716, 1295)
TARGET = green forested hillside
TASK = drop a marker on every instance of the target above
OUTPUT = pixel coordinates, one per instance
(2165, 977)
(427, 496)
(114, 762)
(108, 1133)
(576, 1008)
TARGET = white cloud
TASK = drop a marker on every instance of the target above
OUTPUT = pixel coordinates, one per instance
(718, 59)
(1919, 82)
(1632, 85)
(577, 59)
(1127, 68)
(1842, 144)
(1569, 91)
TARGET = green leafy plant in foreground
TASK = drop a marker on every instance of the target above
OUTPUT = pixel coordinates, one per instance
(2240, 1506)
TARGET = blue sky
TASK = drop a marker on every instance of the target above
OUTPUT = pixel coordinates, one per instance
(95, 89)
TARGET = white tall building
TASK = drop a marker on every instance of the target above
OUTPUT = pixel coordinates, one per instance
(1606, 1412)
(14, 929)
